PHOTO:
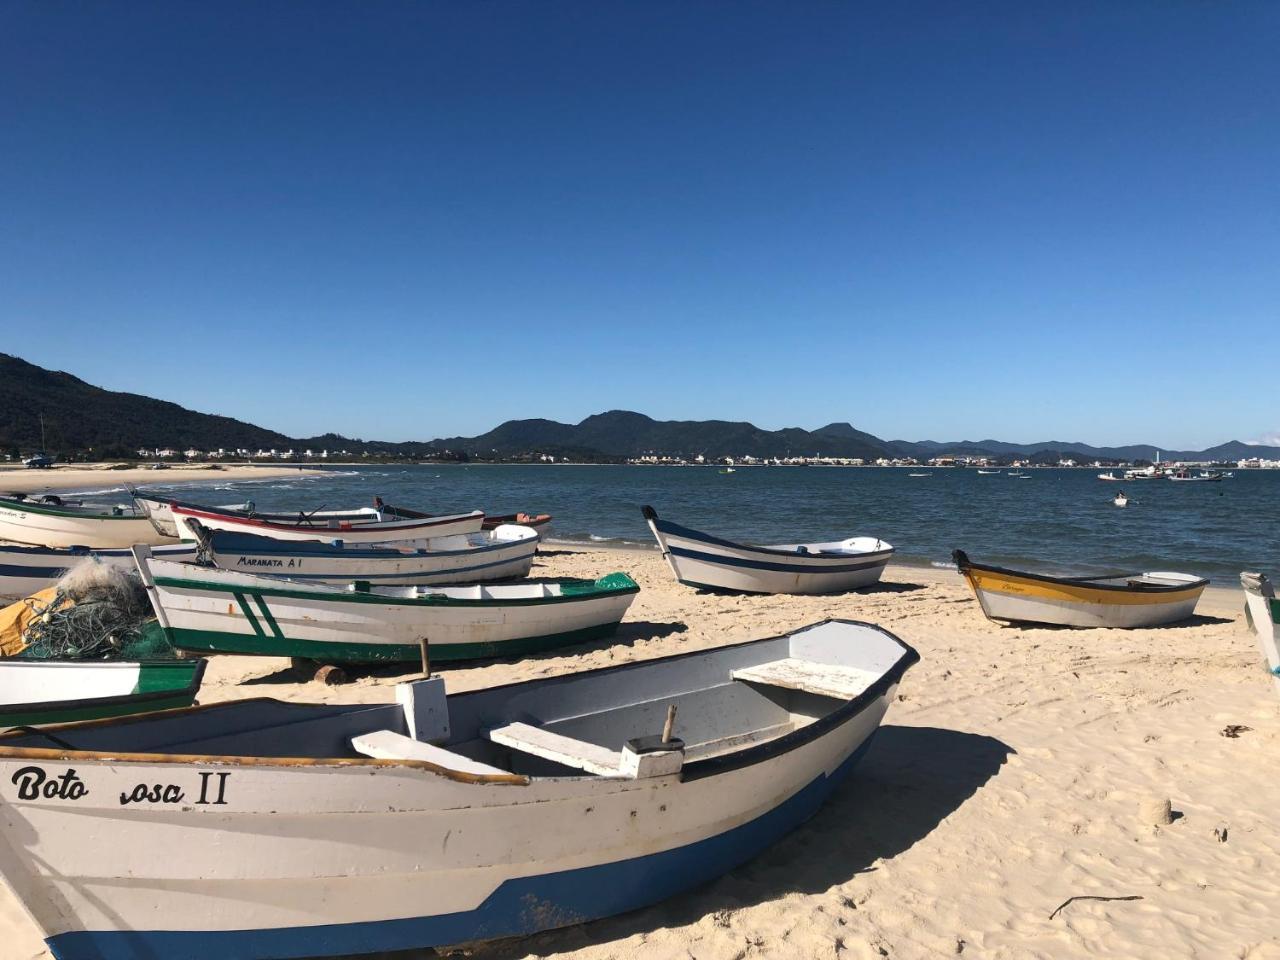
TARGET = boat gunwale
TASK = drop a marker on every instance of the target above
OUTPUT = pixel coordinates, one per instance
(427, 600)
(385, 526)
(666, 527)
(192, 686)
(50, 510)
(698, 769)
(1090, 582)
(370, 551)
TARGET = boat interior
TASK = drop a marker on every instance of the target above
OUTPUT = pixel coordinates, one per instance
(854, 546)
(726, 700)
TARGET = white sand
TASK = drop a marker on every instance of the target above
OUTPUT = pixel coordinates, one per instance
(1010, 776)
(96, 476)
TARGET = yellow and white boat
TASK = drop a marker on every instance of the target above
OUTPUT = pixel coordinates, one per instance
(1113, 600)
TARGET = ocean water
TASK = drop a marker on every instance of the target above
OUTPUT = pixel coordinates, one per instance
(1059, 520)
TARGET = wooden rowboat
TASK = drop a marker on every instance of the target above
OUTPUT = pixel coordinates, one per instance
(220, 611)
(26, 570)
(49, 522)
(261, 829)
(366, 531)
(160, 510)
(62, 691)
(1114, 600)
(1263, 612)
(700, 560)
(503, 553)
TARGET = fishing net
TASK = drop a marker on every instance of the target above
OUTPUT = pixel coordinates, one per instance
(99, 612)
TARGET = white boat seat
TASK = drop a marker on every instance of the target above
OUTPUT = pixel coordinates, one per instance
(824, 679)
(564, 750)
(389, 745)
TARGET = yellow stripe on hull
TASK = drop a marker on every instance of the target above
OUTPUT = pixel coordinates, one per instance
(1072, 593)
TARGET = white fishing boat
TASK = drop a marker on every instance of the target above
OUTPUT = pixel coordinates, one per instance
(1263, 613)
(27, 570)
(917, 476)
(1109, 476)
(700, 560)
(63, 691)
(1121, 500)
(501, 554)
(1112, 600)
(352, 530)
(262, 829)
(207, 610)
(49, 521)
(988, 473)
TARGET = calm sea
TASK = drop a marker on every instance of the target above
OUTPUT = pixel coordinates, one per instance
(1060, 519)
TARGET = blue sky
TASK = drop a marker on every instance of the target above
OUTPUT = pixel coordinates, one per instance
(1020, 220)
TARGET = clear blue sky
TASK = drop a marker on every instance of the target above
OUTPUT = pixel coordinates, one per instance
(1023, 220)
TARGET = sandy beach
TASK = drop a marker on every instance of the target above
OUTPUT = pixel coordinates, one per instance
(1009, 778)
(95, 476)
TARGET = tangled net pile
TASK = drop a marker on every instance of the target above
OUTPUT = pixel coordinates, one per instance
(99, 613)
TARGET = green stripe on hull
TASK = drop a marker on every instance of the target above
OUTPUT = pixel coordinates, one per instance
(157, 677)
(213, 641)
(100, 711)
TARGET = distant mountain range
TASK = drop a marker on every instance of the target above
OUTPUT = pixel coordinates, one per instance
(81, 418)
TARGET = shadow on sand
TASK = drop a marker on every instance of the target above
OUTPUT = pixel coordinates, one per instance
(628, 634)
(910, 781)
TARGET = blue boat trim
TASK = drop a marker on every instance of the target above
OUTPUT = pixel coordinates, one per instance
(518, 907)
(674, 529)
(720, 559)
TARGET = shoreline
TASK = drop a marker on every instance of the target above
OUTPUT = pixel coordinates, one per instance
(90, 477)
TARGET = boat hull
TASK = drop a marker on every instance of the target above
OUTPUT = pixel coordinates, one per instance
(702, 561)
(296, 860)
(35, 691)
(1264, 614)
(27, 570)
(354, 532)
(1025, 599)
(213, 611)
(42, 526)
(502, 554)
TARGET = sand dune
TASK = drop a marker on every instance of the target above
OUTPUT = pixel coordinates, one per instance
(1010, 777)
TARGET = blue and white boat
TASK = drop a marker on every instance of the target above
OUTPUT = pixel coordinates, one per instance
(499, 554)
(28, 570)
(262, 829)
(700, 560)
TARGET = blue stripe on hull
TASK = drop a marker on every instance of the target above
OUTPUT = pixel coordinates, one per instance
(418, 578)
(516, 908)
(721, 560)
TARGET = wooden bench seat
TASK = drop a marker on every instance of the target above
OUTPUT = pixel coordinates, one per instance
(389, 745)
(823, 679)
(563, 750)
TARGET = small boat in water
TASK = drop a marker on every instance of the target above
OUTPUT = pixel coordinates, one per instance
(700, 560)
(501, 554)
(207, 610)
(1109, 476)
(1186, 476)
(1112, 600)
(1263, 613)
(63, 691)
(1121, 500)
(26, 570)
(50, 521)
(264, 829)
(917, 476)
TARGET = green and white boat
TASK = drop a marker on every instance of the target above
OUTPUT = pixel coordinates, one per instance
(65, 691)
(222, 611)
(1263, 612)
(50, 521)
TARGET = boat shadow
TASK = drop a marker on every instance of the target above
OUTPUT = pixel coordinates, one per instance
(628, 634)
(1195, 620)
(911, 780)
